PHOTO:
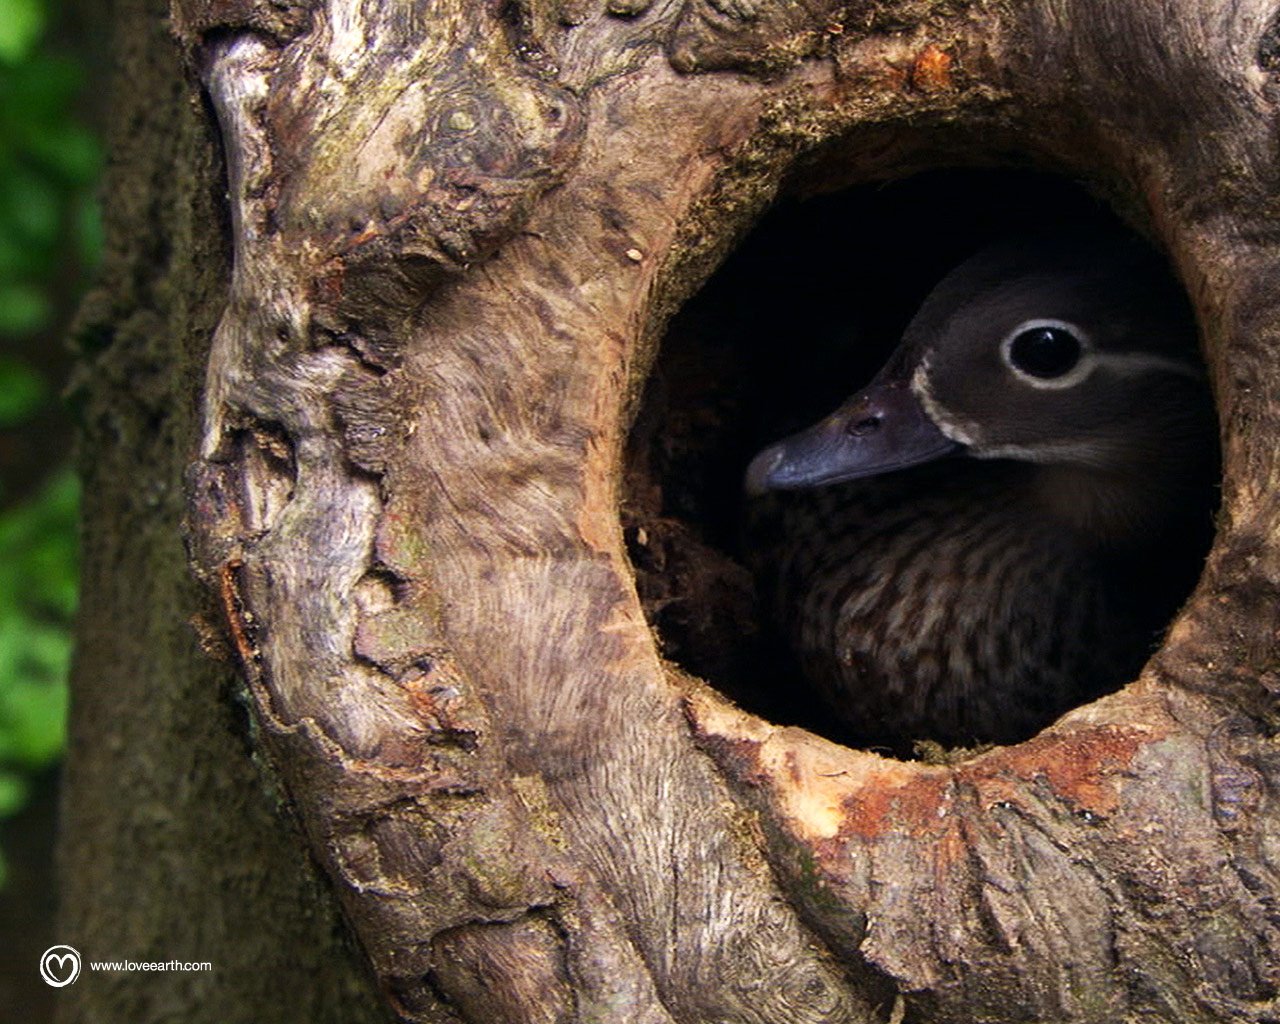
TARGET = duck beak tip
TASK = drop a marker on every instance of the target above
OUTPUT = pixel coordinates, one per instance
(881, 429)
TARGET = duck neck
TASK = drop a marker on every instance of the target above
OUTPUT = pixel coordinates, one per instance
(1124, 506)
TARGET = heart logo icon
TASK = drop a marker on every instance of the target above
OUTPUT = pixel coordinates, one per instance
(60, 966)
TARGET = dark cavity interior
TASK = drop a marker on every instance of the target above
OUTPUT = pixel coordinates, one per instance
(801, 316)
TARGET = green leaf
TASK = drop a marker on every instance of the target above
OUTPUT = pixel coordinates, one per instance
(37, 600)
(22, 391)
(39, 90)
(33, 713)
(66, 149)
(24, 309)
(13, 258)
(13, 793)
(21, 24)
(89, 233)
(30, 207)
(38, 550)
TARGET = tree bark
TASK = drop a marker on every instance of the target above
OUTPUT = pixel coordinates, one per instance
(456, 234)
(172, 844)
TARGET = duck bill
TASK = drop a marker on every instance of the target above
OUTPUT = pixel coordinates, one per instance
(879, 430)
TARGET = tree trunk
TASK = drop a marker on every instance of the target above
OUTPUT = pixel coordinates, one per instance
(456, 234)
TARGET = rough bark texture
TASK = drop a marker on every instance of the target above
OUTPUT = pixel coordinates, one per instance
(458, 230)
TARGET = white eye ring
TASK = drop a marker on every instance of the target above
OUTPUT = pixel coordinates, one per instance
(1085, 365)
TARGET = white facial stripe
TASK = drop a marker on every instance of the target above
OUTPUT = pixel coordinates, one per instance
(952, 427)
(1085, 452)
(968, 433)
(1131, 364)
(1124, 364)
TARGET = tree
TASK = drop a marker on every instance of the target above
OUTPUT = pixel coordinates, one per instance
(456, 233)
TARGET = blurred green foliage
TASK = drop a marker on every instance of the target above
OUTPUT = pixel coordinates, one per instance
(37, 600)
(49, 241)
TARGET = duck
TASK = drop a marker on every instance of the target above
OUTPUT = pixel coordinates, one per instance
(999, 525)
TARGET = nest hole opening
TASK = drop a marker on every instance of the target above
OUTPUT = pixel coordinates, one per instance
(802, 315)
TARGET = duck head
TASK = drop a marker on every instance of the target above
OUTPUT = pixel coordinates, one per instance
(1075, 353)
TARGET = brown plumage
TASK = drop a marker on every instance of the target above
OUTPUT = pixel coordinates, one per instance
(1007, 516)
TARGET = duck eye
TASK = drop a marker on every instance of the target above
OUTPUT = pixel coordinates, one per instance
(1044, 352)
